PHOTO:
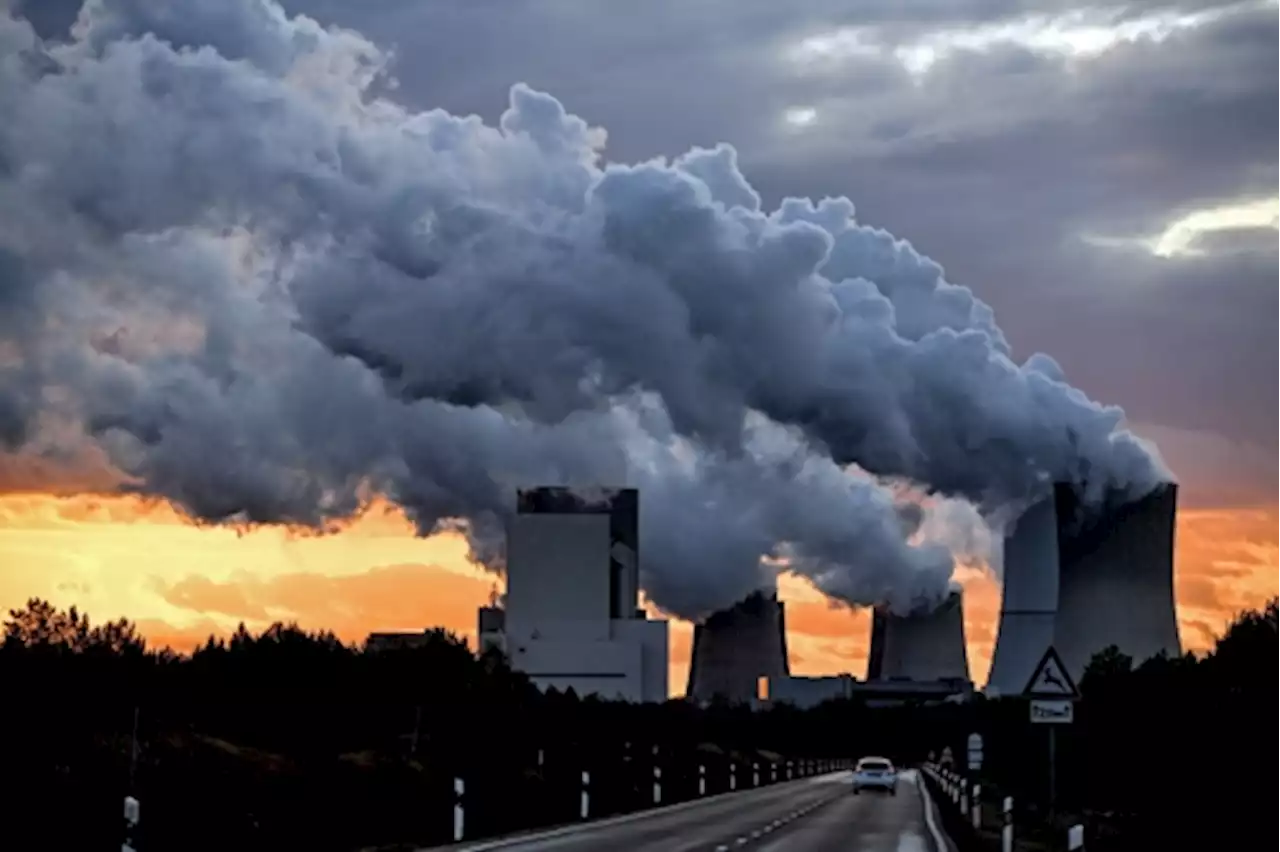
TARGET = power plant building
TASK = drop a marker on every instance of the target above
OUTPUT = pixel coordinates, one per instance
(1115, 579)
(571, 618)
(1082, 581)
(924, 646)
(735, 648)
(1029, 600)
(808, 692)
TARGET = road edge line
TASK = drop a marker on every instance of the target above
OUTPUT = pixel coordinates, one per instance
(940, 840)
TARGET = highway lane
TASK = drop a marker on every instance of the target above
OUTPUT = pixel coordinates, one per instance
(810, 814)
(865, 823)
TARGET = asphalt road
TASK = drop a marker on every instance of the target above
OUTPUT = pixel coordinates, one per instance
(810, 815)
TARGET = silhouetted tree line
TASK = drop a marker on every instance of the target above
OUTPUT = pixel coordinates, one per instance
(293, 739)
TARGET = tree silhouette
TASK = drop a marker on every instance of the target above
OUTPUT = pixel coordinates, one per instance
(288, 738)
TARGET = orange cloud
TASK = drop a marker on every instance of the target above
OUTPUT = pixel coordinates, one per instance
(388, 597)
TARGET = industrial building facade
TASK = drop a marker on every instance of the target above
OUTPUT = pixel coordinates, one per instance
(571, 618)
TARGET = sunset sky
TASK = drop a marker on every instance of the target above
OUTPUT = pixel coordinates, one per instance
(1104, 177)
(116, 556)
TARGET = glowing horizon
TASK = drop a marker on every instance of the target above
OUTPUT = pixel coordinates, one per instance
(114, 556)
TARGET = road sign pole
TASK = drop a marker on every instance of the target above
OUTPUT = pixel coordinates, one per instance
(1053, 770)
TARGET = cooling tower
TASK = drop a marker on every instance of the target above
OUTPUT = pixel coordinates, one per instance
(1029, 603)
(923, 646)
(736, 647)
(1115, 583)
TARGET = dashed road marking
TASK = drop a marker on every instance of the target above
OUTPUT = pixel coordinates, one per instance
(777, 823)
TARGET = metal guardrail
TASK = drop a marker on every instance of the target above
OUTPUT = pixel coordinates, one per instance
(971, 806)
(777, 772)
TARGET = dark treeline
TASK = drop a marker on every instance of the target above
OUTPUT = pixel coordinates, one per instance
(291, 739)
(1166, 754)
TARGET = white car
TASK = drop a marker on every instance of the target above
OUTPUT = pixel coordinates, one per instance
(875, 773)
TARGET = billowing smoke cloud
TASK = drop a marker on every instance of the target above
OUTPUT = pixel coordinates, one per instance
(267, 291)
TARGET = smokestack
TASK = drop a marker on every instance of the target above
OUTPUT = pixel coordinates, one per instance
(736, 647)
(1029, 598)
(1115, 582)
(926, 645)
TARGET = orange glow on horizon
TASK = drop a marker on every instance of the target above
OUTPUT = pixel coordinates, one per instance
(116, 555)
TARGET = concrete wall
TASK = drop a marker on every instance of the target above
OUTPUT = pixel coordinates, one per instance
(631, 665)
(1116, 580)
(621, 506)
(923, 646)
(736, 647)
(558, 583)
(653, 638)
(1029, 599)
(608, 668)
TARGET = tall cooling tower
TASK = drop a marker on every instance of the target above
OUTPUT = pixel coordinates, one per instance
(736, 647)
(1029, 603)
(1116, 579)
(924, 646)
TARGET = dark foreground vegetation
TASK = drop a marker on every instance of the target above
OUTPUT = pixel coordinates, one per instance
(289, 739)
(1169, 754)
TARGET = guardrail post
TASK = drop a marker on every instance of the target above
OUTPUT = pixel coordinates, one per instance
(733, 776)
(773, 773)
(584, 808)
(977, 806)
(657, 785)
(1006, 828)
(1075, 838)
(702, 780)
(755, 775)
(131, 819)
(788, 770)
(459, 815)
(964, 795)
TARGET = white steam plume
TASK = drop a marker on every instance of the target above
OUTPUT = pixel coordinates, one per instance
(264, 290)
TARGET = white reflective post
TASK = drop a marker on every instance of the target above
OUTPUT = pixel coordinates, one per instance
(459, 816)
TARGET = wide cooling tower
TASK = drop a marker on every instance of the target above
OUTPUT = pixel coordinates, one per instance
(927, 645)
(1029, 599)
(1115, 582)
(736, 647)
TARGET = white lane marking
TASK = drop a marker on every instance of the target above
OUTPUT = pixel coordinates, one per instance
(722, 848)
(927, 802)
(741, 841)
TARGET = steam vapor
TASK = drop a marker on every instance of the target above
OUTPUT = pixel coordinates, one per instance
(267, 291)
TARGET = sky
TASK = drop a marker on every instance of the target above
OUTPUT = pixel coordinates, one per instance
(1104, 176)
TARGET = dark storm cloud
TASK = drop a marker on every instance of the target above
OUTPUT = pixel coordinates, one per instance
(998, 162)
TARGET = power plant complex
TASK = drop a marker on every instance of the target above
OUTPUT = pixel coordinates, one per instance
(1082, 581)
(571, 618)
(740, 655)
(1075, 580)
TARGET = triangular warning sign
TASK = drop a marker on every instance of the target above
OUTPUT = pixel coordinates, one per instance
(1050, 679)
